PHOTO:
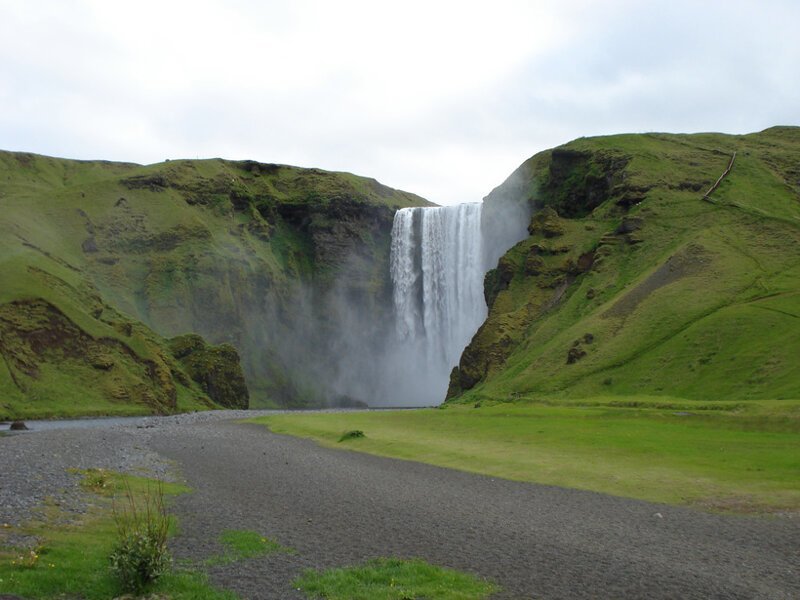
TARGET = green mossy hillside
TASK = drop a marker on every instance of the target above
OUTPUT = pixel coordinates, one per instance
(241, 253)
(632, 282)
(66, 353)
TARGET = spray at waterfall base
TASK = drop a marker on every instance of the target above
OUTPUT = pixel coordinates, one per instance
(402, 353)
(439, 256)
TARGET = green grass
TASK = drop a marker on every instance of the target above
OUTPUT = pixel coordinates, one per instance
(743, 457)
(112, 484)
(703, 305)
(72, 559)
(393, 579)
(242, 544)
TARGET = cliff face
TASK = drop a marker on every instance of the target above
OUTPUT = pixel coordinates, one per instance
(632, 282)
(262, 257)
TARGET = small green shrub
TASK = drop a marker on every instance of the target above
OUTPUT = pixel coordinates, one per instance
(351, 435)
(140, 554)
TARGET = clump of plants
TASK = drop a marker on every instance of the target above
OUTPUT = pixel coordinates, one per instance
(27, 560)
(352, 435)
(140, 554)
(98, 481)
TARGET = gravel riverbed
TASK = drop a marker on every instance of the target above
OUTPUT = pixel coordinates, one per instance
(37, 464)
(337, 508)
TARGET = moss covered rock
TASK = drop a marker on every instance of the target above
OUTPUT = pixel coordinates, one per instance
(547, 223)
(216, 368)
(56, 362)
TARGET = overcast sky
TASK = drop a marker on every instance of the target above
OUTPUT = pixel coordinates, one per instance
(441, 98)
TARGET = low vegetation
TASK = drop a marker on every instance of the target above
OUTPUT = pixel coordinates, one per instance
(71, 556)
(353, 434)
(243, 544)
(729, 456)
(393, 579)
(140, 555)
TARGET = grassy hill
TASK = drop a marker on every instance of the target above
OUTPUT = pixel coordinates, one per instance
(102, 262)
(632, 283)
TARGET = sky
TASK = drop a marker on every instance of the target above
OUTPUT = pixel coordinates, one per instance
(441, 98)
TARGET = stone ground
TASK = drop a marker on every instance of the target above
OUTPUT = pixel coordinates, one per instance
(336, 508)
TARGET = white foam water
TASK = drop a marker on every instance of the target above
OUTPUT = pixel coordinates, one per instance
(437, 268)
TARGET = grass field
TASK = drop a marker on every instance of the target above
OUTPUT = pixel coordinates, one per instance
(737, 457)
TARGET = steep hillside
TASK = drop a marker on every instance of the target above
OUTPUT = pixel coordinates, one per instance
(634, 282)
(260, 256)
(66, 352)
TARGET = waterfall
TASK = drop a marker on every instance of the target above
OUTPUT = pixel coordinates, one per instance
(356, 342)
(437, 268)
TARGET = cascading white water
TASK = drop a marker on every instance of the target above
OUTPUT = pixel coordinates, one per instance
(437, 267)
(342, 344)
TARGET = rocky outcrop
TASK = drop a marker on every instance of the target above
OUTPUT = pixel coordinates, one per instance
(577, 181)
(498, 279)
(215, 368)
(53, 361)
(547, 223)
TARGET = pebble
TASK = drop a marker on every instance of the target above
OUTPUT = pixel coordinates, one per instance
(38, 466)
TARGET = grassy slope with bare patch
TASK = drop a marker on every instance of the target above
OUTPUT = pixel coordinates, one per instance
(640, 286)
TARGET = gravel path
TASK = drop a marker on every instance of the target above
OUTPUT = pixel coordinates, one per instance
(338, 508)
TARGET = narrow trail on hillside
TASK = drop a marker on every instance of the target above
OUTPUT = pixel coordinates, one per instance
(337, 508)
(725, 173)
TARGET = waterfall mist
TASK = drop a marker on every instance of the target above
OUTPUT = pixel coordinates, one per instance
(438, 260)
(395, 344)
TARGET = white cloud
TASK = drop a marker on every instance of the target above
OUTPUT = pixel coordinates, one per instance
(442, 98)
